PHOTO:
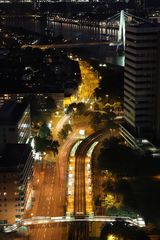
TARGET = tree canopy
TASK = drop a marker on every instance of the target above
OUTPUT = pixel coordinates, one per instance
(44, 131)
(65, 131)
(122, 160)
(123, 231)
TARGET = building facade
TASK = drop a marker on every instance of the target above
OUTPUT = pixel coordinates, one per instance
(15, 175)
(15, 122)
(142, 83)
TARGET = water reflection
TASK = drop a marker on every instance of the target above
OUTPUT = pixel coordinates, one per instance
(73, 32)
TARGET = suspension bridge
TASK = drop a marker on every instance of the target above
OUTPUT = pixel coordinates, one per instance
(113, 27)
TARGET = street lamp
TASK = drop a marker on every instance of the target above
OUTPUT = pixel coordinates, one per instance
(107, 97)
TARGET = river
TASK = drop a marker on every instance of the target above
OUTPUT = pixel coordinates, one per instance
(76, 33)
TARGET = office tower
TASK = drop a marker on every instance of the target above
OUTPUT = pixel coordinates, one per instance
(142, 83)
(15, 174)
(15, 122)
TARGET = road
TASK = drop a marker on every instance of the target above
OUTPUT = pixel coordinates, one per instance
(63, 120)
(51, 194)
(90, 81)
(50, 202)
(80, 231)
(81, 153)
(67, 45)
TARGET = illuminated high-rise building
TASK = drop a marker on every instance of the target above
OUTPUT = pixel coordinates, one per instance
(142, 83)
(15, 175)
(15, 122)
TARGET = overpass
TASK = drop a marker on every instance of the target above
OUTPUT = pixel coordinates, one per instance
(40, 220)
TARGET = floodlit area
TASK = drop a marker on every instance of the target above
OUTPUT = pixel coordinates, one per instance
(90, 81)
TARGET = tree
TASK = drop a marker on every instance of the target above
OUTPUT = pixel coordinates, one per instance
(50, 104)
(110, 115)
(96, 119)
(117, 106)
(41, 144)
(54, 147)
(65, 131)
(97, 93)
(67, 127)
(71, 108)
(117, 158)
(81, 108)
(63, 134)
(44, 131)
(110, 84)
(123, 231)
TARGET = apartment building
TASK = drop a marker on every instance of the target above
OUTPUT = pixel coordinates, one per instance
(15, 122)
(142, 83)
(15, 174)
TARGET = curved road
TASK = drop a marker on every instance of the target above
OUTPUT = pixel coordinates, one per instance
(80, 231)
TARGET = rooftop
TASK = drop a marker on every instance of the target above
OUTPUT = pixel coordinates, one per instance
(11, 112)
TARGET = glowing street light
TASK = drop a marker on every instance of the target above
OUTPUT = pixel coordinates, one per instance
(57, 113)
(112, 237)
(107, 97)
(38, 180)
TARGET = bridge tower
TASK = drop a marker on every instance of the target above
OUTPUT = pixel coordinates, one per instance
(122, 25)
